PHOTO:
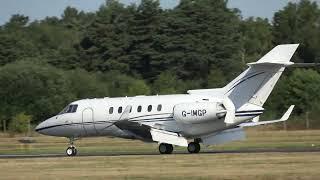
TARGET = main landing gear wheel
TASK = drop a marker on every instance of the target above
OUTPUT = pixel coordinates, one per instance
(165, 148)
(71, 151)
(194, 147)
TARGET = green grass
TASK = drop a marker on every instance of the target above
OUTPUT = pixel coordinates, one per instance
(249, 166)
(197, 166)
(255, 140)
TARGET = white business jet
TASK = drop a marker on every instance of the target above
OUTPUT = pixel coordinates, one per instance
(207, 116)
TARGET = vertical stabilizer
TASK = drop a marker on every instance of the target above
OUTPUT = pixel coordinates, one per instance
(256, 83)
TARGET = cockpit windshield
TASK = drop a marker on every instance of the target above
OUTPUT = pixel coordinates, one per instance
(72, 108)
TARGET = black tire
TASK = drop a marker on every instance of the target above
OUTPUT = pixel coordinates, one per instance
(198, 147)
(193, 147)
(169, 148)
(75, 151)
(69, 151)
(165, 148)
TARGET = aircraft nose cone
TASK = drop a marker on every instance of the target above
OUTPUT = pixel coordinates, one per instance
(40, 127)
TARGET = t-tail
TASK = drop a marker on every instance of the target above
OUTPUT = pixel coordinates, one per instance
(255, 84)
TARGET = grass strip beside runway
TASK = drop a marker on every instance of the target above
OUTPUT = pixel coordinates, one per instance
(255, 140)
(202, 166)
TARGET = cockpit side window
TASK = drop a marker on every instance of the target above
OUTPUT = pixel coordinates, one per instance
(64, 110)
(72, 108)
(69, 110)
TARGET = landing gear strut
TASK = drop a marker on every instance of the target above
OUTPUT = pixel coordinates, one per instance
(194, 147)
(71, 150)
(165, 148)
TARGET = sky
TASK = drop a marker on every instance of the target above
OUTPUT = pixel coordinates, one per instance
(39, 9)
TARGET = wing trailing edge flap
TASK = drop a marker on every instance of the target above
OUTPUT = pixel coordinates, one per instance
(236, 134)
(162, 136)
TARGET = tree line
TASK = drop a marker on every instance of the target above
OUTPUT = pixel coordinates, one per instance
(144, 49)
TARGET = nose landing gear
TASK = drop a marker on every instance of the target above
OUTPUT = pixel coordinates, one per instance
(71, 150)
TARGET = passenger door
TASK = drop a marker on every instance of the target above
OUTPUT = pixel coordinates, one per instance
(88, 122)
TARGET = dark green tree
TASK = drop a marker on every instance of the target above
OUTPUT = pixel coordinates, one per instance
(299, 88)
(143, 29)
(299, 23)
(256, 38)
(36, 89)
(122, 85)
(14, 44)
(198, 34)
(106, 40)
(167, 83)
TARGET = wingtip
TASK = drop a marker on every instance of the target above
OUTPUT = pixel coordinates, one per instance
(288, 113)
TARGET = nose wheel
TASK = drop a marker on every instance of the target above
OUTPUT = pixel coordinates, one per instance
(71, 150)
(165, 148)
(194, 147)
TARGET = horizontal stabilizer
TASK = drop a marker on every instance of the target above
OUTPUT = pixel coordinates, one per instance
(271, 63)
(283, 118)
(168, 137)
(281, 55)
(301, 65)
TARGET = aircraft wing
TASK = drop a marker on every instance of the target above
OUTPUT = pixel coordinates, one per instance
(148, 133)
(283, 118)
(139, 131)
(125, 115)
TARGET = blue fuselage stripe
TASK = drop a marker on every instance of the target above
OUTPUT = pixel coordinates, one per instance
(245, 115)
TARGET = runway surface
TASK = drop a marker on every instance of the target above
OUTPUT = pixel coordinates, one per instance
(16, 156)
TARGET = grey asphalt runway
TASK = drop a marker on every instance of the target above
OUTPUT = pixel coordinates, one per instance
(292, 150)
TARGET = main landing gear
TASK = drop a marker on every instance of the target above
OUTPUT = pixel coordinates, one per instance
(193, 148)
(165, 148)
(71, 150)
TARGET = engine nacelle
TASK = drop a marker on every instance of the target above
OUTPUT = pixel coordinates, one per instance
(196, 113)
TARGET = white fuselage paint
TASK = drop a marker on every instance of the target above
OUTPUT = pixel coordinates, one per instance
(93, 118)
(182, 117)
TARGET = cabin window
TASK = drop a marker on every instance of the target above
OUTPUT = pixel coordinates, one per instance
(120, 109)
(149, 108)
(159, 107)
(110, 110)
(139, 108)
